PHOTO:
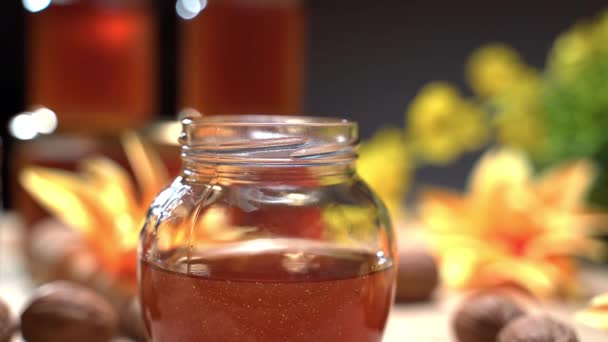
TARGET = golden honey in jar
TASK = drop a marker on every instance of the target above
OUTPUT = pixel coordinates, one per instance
(268, 234)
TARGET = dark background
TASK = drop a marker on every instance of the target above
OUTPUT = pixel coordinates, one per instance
(366, 59)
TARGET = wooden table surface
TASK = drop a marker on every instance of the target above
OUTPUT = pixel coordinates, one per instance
(407, 323)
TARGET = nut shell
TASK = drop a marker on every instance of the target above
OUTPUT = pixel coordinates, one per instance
(131, 321)
(7, 326)
(481, 317)
(68, 258)
(417, 275)
(537, 329)
(63, 311)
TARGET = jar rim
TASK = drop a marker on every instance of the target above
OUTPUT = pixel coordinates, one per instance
(268, 120)
(269, 139)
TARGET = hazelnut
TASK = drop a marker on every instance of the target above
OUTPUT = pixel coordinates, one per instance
(481, 317)
(68, 258)
(417, 275)
(7, 326)
(131, 320)
(63, 311)
(537, 329)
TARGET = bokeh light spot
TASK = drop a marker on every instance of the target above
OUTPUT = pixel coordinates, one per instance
(23, 127)
(188, 9)
(45, 120)
(35, 5)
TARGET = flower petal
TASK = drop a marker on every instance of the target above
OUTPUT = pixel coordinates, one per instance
(73, 200)
(502, 168)
(565, 187)
(150, 172)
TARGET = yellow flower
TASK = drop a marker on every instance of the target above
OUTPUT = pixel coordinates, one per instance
(600, 32)
(472, 132)
(443, 125)
(384, 165)
(518, 119)
(571, 49)
(511, 228)
(579, 46)
(494, 68)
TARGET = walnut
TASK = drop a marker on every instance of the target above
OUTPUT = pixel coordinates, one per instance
(537, 329)
(417, 275)
(131, 321)
(481, 317)
(63, 311)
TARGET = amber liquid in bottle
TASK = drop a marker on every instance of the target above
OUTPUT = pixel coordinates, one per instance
(272, 294)
(93, 63)
(240, 56)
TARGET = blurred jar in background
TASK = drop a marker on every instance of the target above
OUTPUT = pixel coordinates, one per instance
(93, 62)
(241, 56)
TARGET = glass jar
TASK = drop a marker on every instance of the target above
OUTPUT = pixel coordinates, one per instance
(241, 56)
(267, 235)
(93, 62)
